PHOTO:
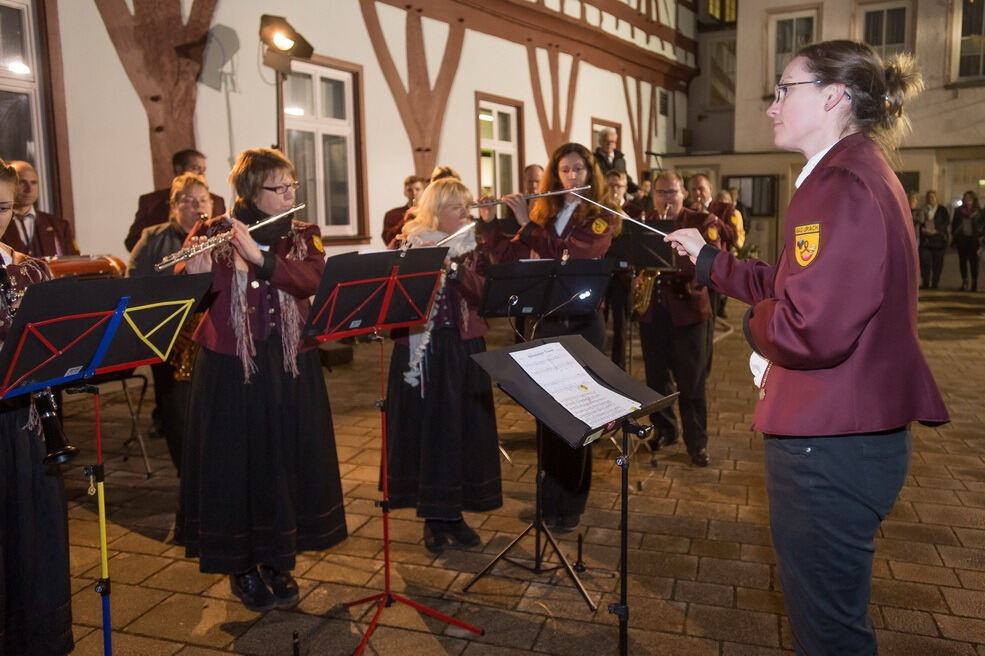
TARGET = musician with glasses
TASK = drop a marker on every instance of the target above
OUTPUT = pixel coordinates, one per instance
(260, 476)
(554, 226)
(833, 327)
(35, 588)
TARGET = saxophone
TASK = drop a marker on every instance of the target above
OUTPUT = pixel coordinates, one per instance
(182, 356)
(643, 284)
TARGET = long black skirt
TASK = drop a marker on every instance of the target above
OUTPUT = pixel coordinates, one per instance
(443, 453)
(35, 591)
(260, 480)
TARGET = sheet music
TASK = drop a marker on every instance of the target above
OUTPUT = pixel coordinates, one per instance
(560, 375)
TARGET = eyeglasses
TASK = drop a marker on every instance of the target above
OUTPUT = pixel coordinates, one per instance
(667, 192)
(780, 90)
(282, 188)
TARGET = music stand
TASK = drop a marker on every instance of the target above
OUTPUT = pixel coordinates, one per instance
(66, 330)
(518, 385)
(367, 293)
(538, 288)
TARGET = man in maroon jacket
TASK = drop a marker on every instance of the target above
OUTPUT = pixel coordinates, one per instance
(154, 208)
(394, 219)
(674, 328)
(31, 231)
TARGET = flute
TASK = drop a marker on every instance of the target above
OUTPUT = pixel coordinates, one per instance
(488, 203)
(216, 240)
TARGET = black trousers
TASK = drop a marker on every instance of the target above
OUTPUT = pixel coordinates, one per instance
(171, 397)
(968, 258)
(931, 263)
(827, 497)
(620, 299)
(567, 471)
(681, 351)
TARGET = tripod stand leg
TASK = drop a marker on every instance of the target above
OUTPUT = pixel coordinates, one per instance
(498, 557)
(571, 571)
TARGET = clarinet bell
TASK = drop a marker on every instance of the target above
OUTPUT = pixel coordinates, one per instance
(55, 442)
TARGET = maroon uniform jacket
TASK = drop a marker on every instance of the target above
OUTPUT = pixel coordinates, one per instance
(153, 208)
(686, 299)
(52, 236)
(393, 221)
(584, 239)
(299, 278)
(837, 315)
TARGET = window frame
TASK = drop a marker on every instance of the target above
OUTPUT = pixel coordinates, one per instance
(956, 14)
(519, 160)
(909, 27)
(772, 18)
(711, 43)
(357, 230)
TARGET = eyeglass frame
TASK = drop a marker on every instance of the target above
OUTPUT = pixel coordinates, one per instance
(281, 189)
(783, 86)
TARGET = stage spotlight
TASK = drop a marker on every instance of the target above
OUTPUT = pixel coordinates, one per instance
(278, 34)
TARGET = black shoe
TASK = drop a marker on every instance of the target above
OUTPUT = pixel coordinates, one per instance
(461, 533)
(282, 584)
(568, 523)
(252, 591)
(700, 457)
(434, 537)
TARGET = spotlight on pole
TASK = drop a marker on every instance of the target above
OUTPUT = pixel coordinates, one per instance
(283, 42)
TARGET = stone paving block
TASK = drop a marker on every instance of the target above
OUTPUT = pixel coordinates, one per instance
(197, 620)
(972, 580)
(904, 512)
(83, 559)
(183, 576)
(952, 515)
(669, 543)
(909, 621)
(127, 603)
(963, 558)
(677, 566)
(755, 553)
(735, 649)
(648, 613)
(754, 515)
(733, 624)
(912, 552)
(558, 601)
(961, 628)
(909, 644)
(683, 526)
(923, 573)
(135, 542)
(131, 568)
(493, 589)
(903, 594)
(971, 537)
(930, 495)
(709, 594)
(705, 510)
(200, 651)
(742, 532)
(345, 569)
(928, 533)
(716, 549)
(767, 601)
(969, 603)
(734, 572)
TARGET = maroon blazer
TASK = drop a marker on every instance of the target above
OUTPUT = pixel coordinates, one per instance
(682, 295)
(393, 221)
(299, 278)
(52, 236)
(584, 239)
(153, 208)
(837, 315)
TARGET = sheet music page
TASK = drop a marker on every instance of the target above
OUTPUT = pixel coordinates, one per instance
(559, 374)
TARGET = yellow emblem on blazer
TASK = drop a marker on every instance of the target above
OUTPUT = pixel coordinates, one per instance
(599, 226)
(712, 234)
(807, 242)
(317, 242)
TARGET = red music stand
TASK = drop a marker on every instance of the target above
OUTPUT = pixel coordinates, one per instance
(367, 293)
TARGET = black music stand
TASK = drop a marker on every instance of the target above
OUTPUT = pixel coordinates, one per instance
(367, 293)
(518, 385)
(538, 288)
(69, 330)
(638, 248)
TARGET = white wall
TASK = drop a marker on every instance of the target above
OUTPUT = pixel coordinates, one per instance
(108, 137)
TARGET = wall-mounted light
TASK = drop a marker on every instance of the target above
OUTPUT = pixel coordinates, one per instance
(283, 42)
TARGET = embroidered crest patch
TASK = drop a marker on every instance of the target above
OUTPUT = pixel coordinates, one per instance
(712, 234)
(599, 226)
(317, 242)
(807, 242)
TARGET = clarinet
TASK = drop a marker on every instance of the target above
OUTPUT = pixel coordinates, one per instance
(57, 447)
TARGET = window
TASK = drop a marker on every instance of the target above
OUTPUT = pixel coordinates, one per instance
(21, 126)
(497, 124)
(723, 10)
(721, 73)
(320, 125)
(971, 51)
(664, 103)
(758, 192)
(788, 33)
(886, 27)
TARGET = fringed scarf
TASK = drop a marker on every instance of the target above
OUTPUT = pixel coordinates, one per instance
(419, 342)
(290, 316)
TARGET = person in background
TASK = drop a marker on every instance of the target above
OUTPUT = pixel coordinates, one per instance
(35, 586)
(190, 201)
(552, 226)
(394, 219)
(741, 207)
(154, 208)
(36, 233)
(442, 451)
(532, 175)
(260, 475)
(610, 158)
(837, 359)
(967, 229)
(643, 197)
(618, 297)
(932, 237)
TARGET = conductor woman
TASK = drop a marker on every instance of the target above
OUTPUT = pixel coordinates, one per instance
(833, 327)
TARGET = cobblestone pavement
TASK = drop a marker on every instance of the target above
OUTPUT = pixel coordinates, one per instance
(702, 574)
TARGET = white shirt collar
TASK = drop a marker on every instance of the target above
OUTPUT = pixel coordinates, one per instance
(561, 222)
(811, 163)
